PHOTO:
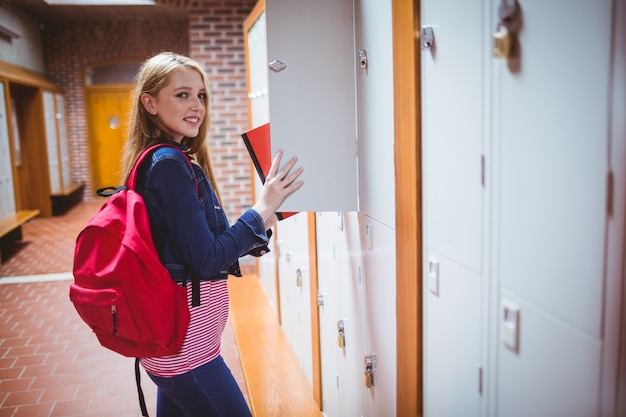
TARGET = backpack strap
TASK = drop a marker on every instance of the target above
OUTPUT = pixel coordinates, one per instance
(132, 176)
(142, 399)
(131, 183)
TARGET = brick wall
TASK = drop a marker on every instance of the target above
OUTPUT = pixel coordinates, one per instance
(212, 35)
(216, 41)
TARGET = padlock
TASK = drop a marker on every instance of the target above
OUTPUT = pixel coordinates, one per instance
(501, 42)
(369, 368)
(341, 334)
(368, 378)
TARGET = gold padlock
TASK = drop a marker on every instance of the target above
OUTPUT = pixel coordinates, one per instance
(341, 334)
(501, 42)
(368, 378)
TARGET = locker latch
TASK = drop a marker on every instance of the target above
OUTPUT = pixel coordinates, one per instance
(370, 369)
(362, 59)
(299, 277)
(427, 37)
(341, 334)
(320, 300)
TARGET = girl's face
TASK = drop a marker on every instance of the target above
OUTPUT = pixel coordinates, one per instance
(180, 105)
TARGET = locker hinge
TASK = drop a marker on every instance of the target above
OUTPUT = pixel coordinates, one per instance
(480, 380)
(482, 170)
(610, 184)
(356, 148)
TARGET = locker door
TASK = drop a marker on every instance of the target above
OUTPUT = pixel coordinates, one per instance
(294, 284)
(66, 180)
(350, 313)
(52, 142)
(256, 55)
(312, 111)
(553, 146)
(379, 321)
(327, 271)
(7, 195)
(453, 102)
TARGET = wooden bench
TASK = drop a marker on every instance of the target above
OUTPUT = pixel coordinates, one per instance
(14, 222)
(67, 191)
(11, 227)
(275, 381)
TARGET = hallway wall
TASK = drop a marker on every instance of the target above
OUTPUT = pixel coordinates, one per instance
(24, 50)
(212, 34)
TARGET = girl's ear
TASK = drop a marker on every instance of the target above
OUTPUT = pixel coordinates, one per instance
(148, 103)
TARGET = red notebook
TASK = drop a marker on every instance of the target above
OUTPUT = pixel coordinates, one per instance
(259, 147)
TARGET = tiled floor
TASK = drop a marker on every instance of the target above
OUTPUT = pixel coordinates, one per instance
(51, 365)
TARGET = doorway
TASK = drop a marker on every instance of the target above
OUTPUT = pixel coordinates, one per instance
(108, 110)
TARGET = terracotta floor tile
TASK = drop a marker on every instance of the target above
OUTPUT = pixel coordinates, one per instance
(54, 393)
(47, 381)
(29, 360)
(15, 385)
(69, 408)
(7, 412)
(33, 410)
(11, 373)
(46, 351)
(7, 362)
(18, 351)
(38, 370)
(106, 403)
(14, 399)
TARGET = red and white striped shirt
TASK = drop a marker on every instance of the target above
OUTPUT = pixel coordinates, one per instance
(203, 339)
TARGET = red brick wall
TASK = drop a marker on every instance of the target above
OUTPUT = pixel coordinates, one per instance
(213, 36)
(216, 41)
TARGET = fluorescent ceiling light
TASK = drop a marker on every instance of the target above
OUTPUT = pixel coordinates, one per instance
(100, 2)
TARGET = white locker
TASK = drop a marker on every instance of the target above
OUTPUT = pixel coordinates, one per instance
(52, 142)
(256, 39)
(453, 141)
(339, 252)
(375, 111)
(452, 366)
(350, 312)
(312, 98)
(379, 321)
(520, 264)
(294, 284)
(7, 194)
(327, 230)
(64, 152)
(552, 144)
(452, 128)
(553, 166)
(556, 371)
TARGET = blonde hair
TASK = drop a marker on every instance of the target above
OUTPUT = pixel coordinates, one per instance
(144, 129)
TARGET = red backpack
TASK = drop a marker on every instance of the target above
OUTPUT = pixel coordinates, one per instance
(121, 289)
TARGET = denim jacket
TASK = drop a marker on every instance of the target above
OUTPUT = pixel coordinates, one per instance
(189, 228)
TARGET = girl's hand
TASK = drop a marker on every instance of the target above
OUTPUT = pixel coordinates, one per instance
(278, 186)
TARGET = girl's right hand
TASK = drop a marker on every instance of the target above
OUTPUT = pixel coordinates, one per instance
(278, 186)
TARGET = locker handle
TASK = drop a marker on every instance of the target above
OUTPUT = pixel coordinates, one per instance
(277, 65)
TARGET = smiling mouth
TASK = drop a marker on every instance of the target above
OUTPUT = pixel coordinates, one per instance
(192, 119)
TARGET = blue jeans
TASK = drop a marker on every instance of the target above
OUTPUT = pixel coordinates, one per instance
(207, 391)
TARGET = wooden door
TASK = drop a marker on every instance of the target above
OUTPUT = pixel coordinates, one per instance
(108, 110)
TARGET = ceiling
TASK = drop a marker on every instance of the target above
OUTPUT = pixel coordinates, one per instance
(45, 12)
